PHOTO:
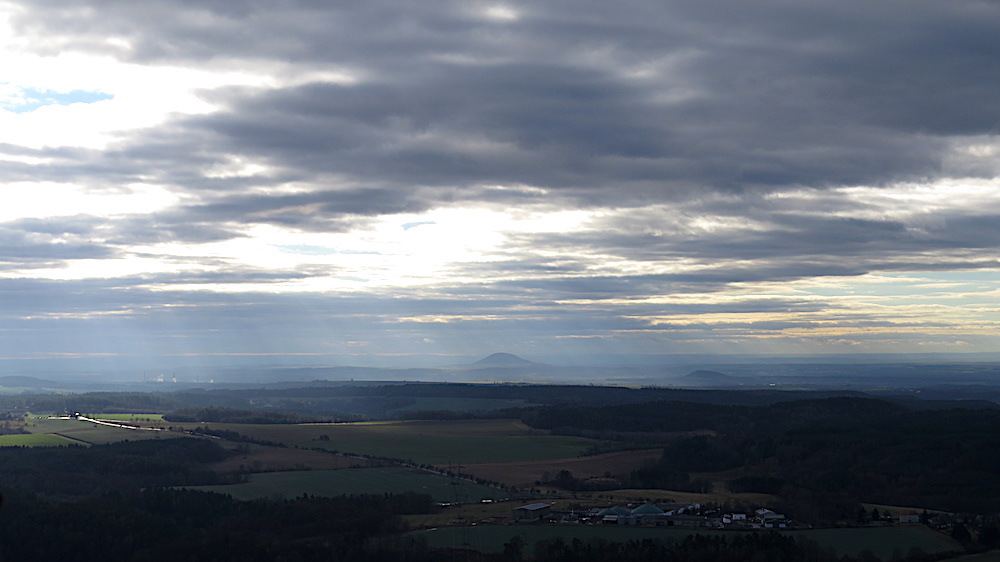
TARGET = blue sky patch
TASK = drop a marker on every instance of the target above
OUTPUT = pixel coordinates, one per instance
(31, 99)
(410, 225)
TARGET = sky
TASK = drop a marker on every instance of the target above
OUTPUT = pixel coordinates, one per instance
(304, 181)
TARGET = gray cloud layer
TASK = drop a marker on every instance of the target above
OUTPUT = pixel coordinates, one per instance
(649, 98)
(624, 105)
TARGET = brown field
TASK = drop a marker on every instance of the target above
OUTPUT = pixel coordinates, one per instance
(496, 513)
(524, 474)
(259, 458)
(717, 496)
(897, 510)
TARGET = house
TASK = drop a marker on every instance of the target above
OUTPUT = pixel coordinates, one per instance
(764, 515)
(734, 518)
(906, 518)
(675, 508)
(532, 512)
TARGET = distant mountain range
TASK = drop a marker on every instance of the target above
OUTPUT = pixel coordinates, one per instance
(971, 380)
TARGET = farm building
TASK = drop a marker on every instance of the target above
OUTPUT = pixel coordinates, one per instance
(646, 514)
(647, 509)
(734, 518)
(687, 521)
(532, 512)
(675, 508)
(769, 519)
(613, 516)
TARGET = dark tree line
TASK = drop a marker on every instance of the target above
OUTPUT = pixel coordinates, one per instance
(833, 451)
(230, 415)
(116, 502)
(76, 472)
(348, 402)
(171, 525)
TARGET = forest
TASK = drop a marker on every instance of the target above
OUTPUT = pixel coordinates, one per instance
(832, 452)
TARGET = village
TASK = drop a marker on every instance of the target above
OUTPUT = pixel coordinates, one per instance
(659, 514)
(694, 515)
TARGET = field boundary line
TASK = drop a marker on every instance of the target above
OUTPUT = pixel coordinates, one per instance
(72, 438)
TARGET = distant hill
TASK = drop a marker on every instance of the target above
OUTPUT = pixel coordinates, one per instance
(26, 382)
(503, 360)
(703, 375)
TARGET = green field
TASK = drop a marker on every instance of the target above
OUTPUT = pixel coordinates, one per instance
(357, 481)
(440, 443)
(91, 433)
(47, 425)
(35, 440)
(445, 450)
(137, 418)
(882, 541)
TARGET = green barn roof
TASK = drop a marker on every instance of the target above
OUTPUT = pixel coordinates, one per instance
(647, 509)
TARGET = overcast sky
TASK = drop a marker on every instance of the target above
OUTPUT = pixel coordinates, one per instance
(306, 180)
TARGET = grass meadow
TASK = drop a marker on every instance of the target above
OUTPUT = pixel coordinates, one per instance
(136, 418)
(36, 440)
(526, 473)
(884, 542)
(357, 481)
(80, 431)
(439, 443)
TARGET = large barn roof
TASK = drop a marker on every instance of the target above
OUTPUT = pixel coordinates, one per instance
(647, 509)
(534, 506)
(620, 511)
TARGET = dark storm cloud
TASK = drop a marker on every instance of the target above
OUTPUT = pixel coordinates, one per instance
(552, 127)
(192, 31)
(738, 96)
(556, 127)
